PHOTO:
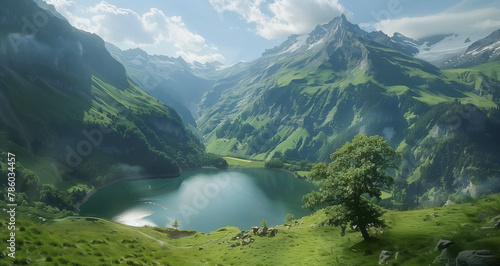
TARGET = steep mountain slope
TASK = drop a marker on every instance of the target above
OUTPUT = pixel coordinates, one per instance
(308, 96)
(70, 114)
(480, 52)
(171, 80)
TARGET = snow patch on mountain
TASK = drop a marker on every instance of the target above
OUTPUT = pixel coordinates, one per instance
(452, 45)
(314, 44)
(299, 42)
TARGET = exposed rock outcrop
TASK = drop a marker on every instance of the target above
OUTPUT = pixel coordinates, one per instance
(265, 231)
(476, 258)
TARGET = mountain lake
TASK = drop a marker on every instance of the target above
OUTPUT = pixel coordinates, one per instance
(203, 200)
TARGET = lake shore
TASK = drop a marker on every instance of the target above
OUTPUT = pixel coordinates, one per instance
(94, 190)
(204, 192)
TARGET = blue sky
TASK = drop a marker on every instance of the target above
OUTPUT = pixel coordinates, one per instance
(240, 30)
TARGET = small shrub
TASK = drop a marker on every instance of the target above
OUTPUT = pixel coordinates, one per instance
(263, 223)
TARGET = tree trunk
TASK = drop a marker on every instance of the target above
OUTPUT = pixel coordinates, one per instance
(364, 233)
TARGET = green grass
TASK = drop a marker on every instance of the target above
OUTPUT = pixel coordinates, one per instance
(414, 234)
(304, 173)
(243, 162)
(385, 195)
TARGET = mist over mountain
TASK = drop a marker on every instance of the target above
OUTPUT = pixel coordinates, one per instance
(171, 80)
(70, 112)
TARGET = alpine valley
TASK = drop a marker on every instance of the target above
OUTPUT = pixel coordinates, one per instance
(80, 114)
(305, 98)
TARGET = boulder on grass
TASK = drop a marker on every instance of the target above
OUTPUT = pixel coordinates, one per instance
(442, 244)
(255, 229)
(384, 257)
(272, 232)
(262, 231)
(476, 258)
(495, 219)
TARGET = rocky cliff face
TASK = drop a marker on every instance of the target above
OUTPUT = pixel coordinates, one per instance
(35, 42)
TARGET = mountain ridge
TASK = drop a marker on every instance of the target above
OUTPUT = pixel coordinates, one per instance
(73, 118)
(308, 96)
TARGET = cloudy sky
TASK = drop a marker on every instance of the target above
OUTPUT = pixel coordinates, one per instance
(240, 30)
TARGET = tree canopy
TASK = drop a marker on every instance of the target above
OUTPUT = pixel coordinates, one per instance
(357, 169)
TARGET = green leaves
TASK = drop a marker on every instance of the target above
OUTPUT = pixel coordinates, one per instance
(357, 169)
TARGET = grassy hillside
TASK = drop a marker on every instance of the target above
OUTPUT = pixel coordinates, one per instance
(74, 120)
(306, 105)
(243, 162)
(412, 235)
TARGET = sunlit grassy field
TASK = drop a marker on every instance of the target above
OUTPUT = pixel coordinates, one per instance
(411, 234)
(232, 161)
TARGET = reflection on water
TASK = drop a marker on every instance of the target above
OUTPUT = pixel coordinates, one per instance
(203, 200)
(134, 217)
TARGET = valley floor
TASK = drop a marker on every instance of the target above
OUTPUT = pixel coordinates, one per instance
(411, 238)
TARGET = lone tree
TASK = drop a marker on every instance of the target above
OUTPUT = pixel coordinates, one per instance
(357, 169)
(175, 224)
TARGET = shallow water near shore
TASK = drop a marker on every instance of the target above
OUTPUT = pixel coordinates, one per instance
(203, 200)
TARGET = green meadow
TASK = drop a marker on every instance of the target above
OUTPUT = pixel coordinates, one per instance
(411, 237)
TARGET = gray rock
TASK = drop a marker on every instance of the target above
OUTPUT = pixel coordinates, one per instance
(476, 258)
(442, 244)
(448, 202)
(262, 231)
(245, 241)
(255, 229)
(384, 257)
(444, 257)
(272, 232)
(495, 219)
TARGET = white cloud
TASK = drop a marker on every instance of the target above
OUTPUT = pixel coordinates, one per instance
(125, 26)
(281, 18)
(121, 25)
(480, 20)
(58, 4)
(192, 57)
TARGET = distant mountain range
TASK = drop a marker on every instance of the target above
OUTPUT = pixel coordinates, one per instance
(300, 100)
(171, 80)
(308, 96)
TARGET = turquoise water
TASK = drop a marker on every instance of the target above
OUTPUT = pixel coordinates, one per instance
(203, 200)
